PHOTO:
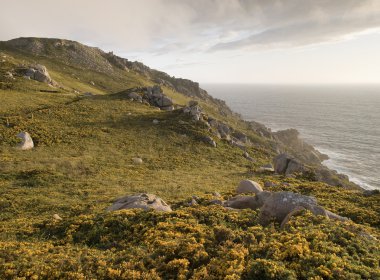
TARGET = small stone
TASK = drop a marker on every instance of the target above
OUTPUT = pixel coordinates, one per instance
(155, 121)
(57, 217)
(193, 202)
(137, 160)
(268, 184)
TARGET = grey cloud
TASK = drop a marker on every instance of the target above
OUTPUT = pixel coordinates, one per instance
(174, 26)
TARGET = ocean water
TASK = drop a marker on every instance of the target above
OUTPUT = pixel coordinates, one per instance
(340, 121)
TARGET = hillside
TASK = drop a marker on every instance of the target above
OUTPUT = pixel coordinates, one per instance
(98, 113)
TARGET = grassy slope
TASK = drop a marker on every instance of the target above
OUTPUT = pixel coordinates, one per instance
(83, 160)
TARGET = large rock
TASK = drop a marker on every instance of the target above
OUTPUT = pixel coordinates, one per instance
(195, 111)
(135, 96)
(280, 163)
(279, 206)
(285, 164)
(39, 73)
(142, 200)
(248, 186)
(27, 141)
(164, 101)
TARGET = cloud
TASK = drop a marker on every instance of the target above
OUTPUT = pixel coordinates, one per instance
(179, 26)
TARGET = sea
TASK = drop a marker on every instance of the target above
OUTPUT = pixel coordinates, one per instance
(342, 121)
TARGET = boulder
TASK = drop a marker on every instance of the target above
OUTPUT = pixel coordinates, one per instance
(279, 206)
(39, 73)
(294, 167)
(280, 163)
(164, 101)
(192, 103)
(285, 164)
(142, 200)
(27, 141)
(248, 186)
(194, 111)
(134, 96)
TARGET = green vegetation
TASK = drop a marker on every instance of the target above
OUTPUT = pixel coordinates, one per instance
(83, 161)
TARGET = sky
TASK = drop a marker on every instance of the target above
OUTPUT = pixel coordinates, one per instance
(218, 41)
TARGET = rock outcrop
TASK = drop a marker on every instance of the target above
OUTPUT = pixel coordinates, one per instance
(37, 72)
(153, 96)
(279, 206)
(27, 141)
(142, 200)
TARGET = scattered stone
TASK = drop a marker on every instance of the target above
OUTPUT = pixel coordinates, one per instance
(8, 75)
(193, 202)
(92, 83)
(248, 186)
(216, 194)
(269, 184)
(155, 121)
(57, 217)
(142, 200)
(27, 141)
(137, 160)
(209, 140)
(247, 156)
(266, 168)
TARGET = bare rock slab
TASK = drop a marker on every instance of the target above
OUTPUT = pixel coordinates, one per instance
(144, 201)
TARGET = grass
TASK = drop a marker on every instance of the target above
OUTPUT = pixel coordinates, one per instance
(83, 161)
